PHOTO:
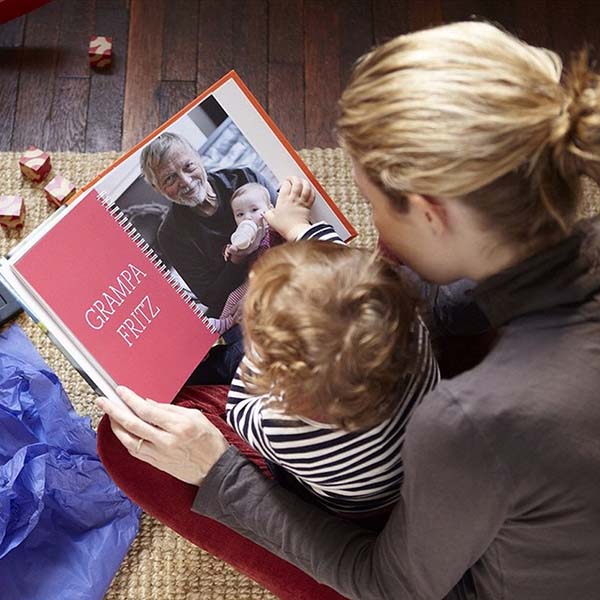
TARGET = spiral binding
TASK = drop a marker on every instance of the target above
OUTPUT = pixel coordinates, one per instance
(149, 253)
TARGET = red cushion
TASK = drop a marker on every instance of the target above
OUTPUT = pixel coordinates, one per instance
(169, 500)
(11, 9)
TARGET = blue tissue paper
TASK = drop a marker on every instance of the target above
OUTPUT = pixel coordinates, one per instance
(64, 525)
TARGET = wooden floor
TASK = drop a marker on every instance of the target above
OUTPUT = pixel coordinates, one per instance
(295, 55)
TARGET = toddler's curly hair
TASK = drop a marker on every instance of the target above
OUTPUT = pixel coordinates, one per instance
(331, 333)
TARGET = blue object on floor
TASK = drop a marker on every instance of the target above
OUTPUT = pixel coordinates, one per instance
(64, 525)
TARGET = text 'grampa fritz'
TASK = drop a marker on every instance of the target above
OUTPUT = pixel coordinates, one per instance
(137, 321)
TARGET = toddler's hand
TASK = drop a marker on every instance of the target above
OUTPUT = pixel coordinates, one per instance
(291, 214)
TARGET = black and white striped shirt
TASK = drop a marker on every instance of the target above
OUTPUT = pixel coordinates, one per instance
(348, 471)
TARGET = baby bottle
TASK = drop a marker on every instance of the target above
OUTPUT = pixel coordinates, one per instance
(244, 235)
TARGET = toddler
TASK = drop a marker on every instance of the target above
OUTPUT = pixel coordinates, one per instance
(336, 361)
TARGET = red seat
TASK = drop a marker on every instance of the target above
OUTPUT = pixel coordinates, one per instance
(169, 500)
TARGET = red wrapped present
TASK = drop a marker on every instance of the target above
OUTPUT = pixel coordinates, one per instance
(35, 164)
(100, 51)
(59, 190)
(12, 211)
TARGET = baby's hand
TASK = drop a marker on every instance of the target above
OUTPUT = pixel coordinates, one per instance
(234, 254)
(291, 214)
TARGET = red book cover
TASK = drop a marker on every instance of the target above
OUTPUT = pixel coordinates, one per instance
(117, 300)
(131, 311)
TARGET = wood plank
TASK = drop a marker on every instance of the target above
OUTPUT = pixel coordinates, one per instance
(174, 95)
(142, 82)
(11, 38)
(590, 33)
(501, 13)
(390, 18)
(27, 90)
(107, 87)
(356, 23)
(285, 89)
(533, 30)
(180, 43)
(566, 26)
(322, 70)
(461, 10)
(250, 43)
(69, 115)
(76, 26)
(12, 34)
(36, 82)
(424, 13)
(215, 41)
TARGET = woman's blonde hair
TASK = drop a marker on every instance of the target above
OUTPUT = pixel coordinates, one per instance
(471, 112)
(330, 333)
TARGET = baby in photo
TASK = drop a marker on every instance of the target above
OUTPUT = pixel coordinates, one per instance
(250, 239)
(248, 203)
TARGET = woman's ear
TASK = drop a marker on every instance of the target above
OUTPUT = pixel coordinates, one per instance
(432, 212)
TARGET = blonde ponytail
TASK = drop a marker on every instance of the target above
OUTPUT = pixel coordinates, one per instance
(471, 112)
(576, 133)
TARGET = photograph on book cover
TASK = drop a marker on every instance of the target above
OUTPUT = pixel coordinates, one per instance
(196, 192)
(199, 184)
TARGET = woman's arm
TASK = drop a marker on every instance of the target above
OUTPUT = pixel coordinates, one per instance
(453, 503)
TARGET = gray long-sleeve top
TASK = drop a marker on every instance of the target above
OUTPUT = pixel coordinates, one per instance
(501, 498)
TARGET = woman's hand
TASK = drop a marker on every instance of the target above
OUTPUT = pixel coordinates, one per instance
(291, 214)
(179, 441)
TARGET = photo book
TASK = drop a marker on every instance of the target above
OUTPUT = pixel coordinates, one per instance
(137, 277)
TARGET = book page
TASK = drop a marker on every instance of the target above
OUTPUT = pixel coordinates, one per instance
(117, 303)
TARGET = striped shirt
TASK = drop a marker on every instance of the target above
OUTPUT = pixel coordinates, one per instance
(348, 471)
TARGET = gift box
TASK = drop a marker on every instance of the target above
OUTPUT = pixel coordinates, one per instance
(59, 190)
(100, 51)
(35, 164)
(12, 211)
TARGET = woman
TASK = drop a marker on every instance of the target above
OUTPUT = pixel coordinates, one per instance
(469, 149)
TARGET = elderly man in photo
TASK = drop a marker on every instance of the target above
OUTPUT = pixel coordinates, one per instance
(200, 221)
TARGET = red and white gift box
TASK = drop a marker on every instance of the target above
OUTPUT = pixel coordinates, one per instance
(59, 190)
(35, 164)
(12, 211)
(100, 51)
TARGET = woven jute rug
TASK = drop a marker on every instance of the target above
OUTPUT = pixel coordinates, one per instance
(160, 564)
